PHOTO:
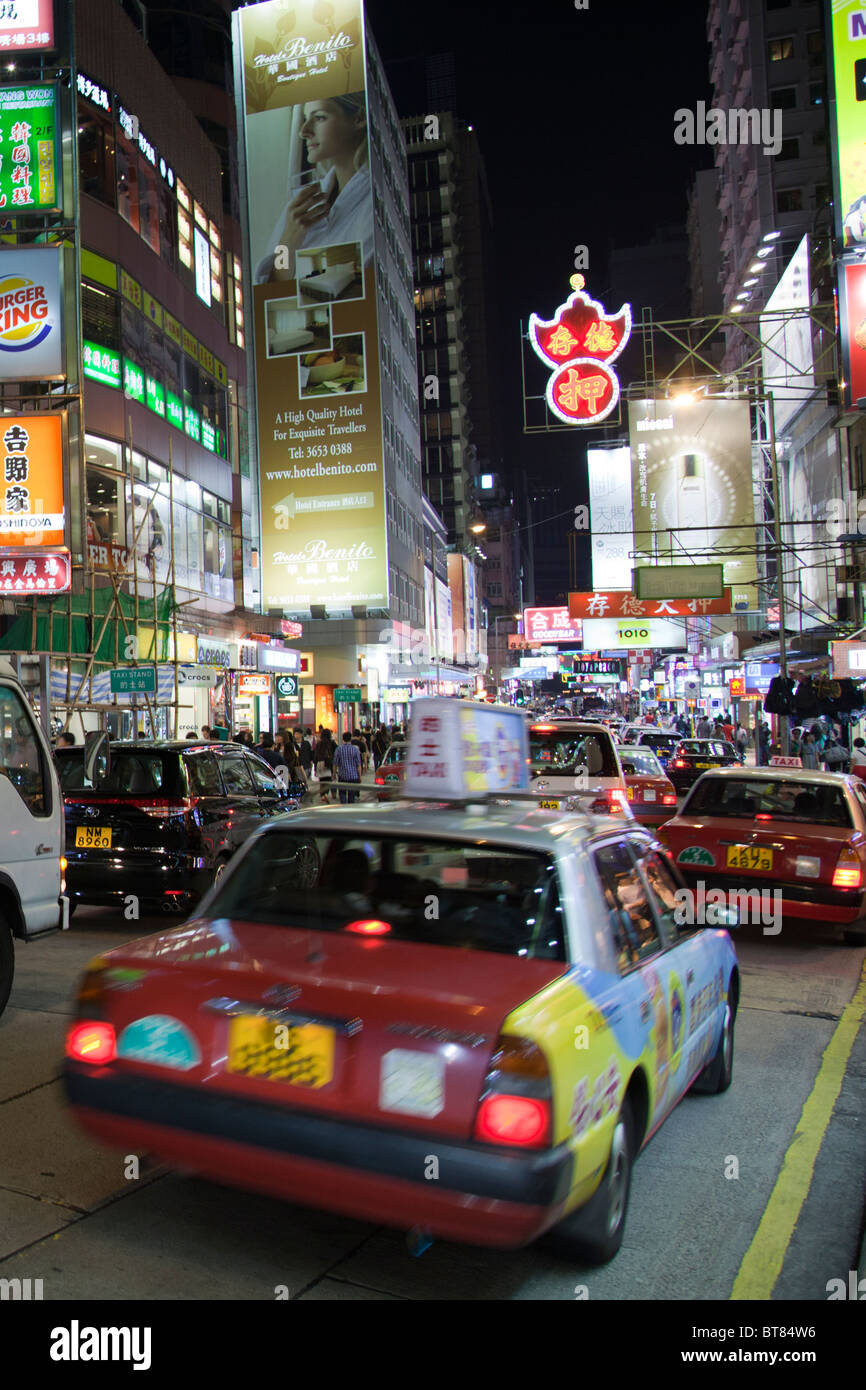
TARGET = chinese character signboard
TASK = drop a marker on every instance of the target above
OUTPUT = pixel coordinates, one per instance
(550, 625)
(28, 149)
(31, 492)
(26, 26)
(100, 363)
(322, 485)
(580, 342)
(621, 603)
(31, 346)
(48, 572)
(609, 473)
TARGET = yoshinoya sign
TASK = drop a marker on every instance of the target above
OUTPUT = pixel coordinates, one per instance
(31, 493)
(31, 345)
(580, 342)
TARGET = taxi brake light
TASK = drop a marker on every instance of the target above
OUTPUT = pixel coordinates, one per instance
(680, 762)
(369, 926)
(542, 728)
(91, 1042)
(669, 799)
(848, 872)
(504, 1119)
(763, 815)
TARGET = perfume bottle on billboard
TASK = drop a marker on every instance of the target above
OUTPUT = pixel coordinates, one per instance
(691, 497)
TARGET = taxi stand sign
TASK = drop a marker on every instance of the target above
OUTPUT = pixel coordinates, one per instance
(458, 750)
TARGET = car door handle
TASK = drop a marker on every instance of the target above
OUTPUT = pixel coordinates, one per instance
(44, 849)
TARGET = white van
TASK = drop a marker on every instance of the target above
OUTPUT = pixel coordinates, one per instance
(32, 885)
(574, 757)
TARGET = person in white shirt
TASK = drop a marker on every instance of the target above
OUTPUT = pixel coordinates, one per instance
(337, 206)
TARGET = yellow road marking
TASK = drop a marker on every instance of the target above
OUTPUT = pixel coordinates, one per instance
(762, 1262)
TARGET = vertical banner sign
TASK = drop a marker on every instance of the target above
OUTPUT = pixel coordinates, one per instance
(847, 30)
(692, 493)
(310, 211)
(29, 130)
(610, 515)
(31, 343)
(31, 493)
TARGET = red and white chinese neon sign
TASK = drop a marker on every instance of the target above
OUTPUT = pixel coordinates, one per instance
(580, 342)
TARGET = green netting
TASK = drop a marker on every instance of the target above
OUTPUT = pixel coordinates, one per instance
(52, 625)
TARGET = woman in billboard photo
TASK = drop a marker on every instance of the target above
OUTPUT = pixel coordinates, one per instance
(332, 201)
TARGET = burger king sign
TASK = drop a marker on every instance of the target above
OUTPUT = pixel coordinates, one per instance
(31, 346)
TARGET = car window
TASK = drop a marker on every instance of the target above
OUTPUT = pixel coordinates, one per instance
(770, 799)
(236, 775)
(663, 888)
(435, 892)
(143, 772)
(641, 763)
(203, 773)
(566, 751)
(635, 934)
(264, 778)
(22, 759)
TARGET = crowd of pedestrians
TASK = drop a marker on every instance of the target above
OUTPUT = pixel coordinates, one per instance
(315, 761)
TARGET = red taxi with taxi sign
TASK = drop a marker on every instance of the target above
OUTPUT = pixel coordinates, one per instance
(455, 986)
(778, 827)
(650, 794)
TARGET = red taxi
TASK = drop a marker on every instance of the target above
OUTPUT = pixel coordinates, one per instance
(650, 793)
(392, 768)
(785, 828)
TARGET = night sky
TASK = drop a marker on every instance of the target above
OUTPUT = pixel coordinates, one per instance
(574, 111)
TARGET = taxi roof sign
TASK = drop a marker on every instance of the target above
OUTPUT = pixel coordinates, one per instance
(786, 762)
(459, 749)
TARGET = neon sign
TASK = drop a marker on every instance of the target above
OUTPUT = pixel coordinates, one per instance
(580, 342)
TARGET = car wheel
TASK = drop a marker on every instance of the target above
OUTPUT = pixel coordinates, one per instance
(594, 1233)
(7, 962)
(719, 1072)
(854, 936)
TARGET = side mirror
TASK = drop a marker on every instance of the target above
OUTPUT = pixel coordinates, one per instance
(97, 758)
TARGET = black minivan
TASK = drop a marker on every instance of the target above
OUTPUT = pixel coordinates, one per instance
(164, 821)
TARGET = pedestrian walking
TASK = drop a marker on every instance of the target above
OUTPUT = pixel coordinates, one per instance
(809, 753)
(347, 766)
(325, 763)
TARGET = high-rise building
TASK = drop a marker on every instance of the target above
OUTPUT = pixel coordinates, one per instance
(451, 231)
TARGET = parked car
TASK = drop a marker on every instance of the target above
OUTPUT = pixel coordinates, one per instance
(650, 792)
(694, 756)
(163, 819)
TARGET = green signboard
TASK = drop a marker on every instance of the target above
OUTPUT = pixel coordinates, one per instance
(155, 396)
(287, 686)
(174, 410)
(29, 128)
(209, 436)
(191, 423)
(345, 696)
(101, 364)
(133, 380)
(133, 680)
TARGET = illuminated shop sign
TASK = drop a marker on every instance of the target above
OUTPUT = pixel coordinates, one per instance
(579, 343)
(133, 381)
(91, 91)
(49, 572)
(155, 396)
(101, 364)
(26, 25)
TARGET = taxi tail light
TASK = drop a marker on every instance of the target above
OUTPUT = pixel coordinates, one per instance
(669, 799)
(848, 872)
(681, 762)
(93, 1041)
(516, 1101)
(610, 803)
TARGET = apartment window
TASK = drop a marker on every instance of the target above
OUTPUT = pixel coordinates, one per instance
(780, 49)
(789, 200)
(100, 316)
(783, 98)
(822, 195)
(789, 149)
(96, 154)
(235, 295)
(148, 205)
(184, 226)
(127, 181)
(817, 94)
(815, 46)
(779, 4)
